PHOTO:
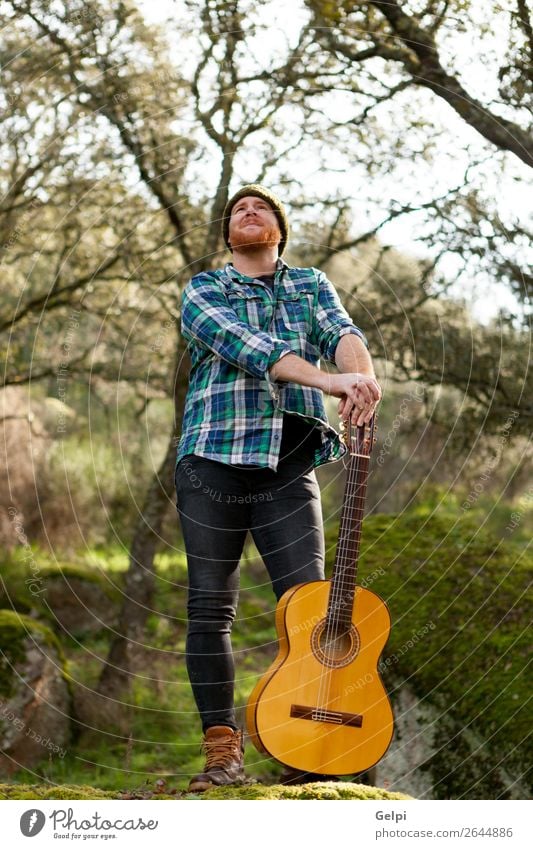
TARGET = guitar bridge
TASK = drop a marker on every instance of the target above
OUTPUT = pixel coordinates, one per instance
(336, 717)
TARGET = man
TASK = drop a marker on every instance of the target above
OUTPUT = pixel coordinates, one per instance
(254, 428)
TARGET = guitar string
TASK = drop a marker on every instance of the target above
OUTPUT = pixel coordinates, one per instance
(351, 581)
(354, 470)
(325, 669)
(346, 535)
(348, 549)
(337, 588)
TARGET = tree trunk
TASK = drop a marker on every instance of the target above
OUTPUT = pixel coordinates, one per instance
(139, 586)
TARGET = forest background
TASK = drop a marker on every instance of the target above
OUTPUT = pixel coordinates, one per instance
(397, 135)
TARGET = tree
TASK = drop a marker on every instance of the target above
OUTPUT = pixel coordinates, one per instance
(166, 140)
(408, 39)
(383, 51)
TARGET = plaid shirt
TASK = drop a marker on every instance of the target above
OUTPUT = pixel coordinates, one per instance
(236, 328)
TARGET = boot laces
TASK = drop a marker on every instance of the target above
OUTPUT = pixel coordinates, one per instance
(221, 752)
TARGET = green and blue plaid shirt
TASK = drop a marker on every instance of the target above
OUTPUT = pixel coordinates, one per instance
(236, 328)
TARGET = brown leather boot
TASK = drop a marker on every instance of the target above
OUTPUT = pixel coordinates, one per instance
(224, 750)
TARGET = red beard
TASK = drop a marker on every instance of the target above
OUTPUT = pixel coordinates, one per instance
(252, 240)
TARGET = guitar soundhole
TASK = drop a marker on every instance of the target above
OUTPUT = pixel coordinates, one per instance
(335, 647)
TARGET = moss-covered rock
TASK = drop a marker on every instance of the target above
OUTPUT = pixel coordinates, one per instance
(458, 599)
(34, 693)
(50, 791)
(327, 790)
(80, 600)
(76, 598)
(15, 631)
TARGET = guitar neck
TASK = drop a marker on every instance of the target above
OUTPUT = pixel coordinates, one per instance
(344, 577)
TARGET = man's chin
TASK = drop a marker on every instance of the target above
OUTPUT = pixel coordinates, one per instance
(254, 242)
(249, 246)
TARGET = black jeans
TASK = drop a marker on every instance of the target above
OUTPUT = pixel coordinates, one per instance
(217, 505)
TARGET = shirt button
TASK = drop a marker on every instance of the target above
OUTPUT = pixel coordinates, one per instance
(276, 436)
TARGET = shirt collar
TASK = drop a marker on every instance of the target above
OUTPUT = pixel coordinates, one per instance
(232, 272)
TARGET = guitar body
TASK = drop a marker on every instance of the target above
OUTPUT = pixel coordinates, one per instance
(322, 707)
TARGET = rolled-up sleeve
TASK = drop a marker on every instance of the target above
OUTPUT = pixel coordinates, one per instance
(208, 320)
(331, 320)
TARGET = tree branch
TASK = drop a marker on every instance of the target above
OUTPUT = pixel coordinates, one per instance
(426, 70)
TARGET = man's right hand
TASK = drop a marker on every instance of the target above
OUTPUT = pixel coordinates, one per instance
(359, 394)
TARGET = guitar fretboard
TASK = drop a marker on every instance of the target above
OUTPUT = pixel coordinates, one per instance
(344, 577)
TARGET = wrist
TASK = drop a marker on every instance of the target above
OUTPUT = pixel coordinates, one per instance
(324, 381)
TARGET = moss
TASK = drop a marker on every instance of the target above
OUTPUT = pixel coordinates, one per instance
(23, 588)
(15, 628)
(73, 571)
(452, 757)
(320, 790)
(457, 598)
(50, 791)
(12, 652)
(325, 790)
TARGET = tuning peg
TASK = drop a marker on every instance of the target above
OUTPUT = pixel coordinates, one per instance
(344, 431)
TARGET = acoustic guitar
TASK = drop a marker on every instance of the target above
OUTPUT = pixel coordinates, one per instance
(321, 706)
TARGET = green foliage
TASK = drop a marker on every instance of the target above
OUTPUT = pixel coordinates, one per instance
(98, 483)
(15, 629)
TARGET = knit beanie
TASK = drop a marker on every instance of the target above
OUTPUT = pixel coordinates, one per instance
(260, 192)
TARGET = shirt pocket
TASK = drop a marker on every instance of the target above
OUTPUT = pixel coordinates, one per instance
(295, 310)
(249, 307)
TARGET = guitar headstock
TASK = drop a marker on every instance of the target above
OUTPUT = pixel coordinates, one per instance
(360, 439)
